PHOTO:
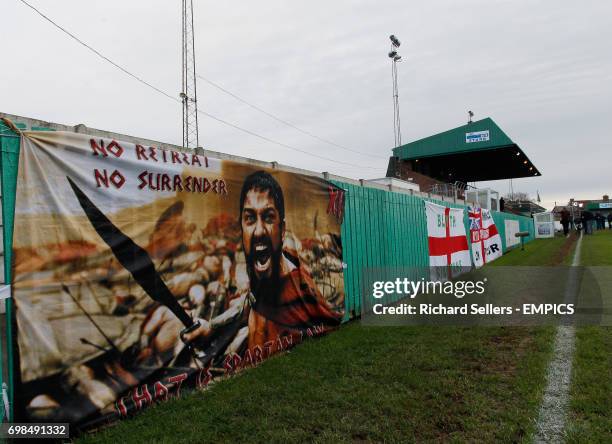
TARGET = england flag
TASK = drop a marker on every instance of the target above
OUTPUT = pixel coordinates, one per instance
(448, 246)
(486, 241)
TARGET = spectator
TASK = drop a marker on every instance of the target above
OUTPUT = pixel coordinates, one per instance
(565, 221)
(610, 221)
(601, 221)
(587, 220)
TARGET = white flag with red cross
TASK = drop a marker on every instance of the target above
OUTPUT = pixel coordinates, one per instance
(486, 241)
(448, 246)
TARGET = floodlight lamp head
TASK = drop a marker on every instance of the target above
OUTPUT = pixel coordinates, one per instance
(182, 95)
(394, 41)
(397, 58)
(392, 54)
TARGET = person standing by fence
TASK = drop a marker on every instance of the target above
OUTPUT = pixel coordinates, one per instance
(601, 222)
(565, 221)
(587, 219)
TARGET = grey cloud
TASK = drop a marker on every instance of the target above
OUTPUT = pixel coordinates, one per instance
(540, 69)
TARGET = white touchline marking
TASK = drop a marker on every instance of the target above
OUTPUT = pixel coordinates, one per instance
(550, 427)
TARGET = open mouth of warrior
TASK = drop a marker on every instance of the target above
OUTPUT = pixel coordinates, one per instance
(263, 257)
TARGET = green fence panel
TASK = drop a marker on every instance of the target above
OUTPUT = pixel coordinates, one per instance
(389, 229)
(525, 224)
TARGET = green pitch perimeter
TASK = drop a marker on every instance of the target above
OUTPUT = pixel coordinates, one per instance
(590, 417)
(397, 384)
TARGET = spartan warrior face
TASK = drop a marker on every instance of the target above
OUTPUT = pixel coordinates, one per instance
(262, 220)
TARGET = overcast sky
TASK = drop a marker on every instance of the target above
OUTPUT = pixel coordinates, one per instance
(541, 69)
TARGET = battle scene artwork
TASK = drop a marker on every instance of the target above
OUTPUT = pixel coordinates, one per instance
(127, 296)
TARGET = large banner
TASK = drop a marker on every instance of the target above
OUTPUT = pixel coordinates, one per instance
(448, 247)
(140, 272)
(486, 241)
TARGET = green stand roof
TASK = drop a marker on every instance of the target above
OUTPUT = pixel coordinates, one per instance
(470, 153)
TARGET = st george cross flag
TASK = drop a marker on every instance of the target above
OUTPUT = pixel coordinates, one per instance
(486, 241)
(448, 246)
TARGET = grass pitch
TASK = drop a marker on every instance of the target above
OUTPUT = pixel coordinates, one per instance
(373, 384)
(377, 384)
(591, 394)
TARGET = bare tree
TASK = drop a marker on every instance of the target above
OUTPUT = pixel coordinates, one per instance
(519, 195)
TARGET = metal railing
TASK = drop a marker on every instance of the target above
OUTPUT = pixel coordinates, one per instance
(454, 189)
